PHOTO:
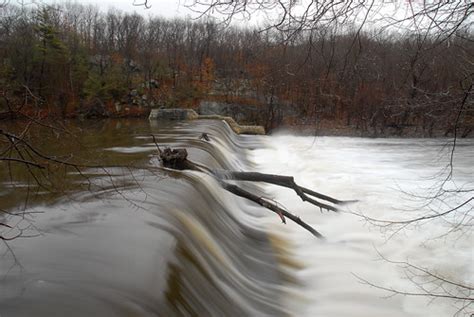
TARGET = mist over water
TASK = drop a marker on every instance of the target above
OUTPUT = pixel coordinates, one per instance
(173, 243)
(383, 174)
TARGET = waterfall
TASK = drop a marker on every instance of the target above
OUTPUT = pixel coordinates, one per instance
(156, 242)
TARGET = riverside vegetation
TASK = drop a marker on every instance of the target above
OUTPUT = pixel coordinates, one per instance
(71, 60)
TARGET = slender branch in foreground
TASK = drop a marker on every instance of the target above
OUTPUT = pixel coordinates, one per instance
(405, 293)
(11, 159)
(428, 283)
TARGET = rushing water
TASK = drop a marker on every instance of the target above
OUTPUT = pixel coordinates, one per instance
(143, 241)
(386, 176)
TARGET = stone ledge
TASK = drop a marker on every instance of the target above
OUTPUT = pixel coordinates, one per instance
(189, 114)
(173, 114)
(239, 129)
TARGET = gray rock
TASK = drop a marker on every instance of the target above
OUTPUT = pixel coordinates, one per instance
(173, 114)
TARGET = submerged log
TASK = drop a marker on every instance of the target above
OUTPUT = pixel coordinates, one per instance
(178, 159)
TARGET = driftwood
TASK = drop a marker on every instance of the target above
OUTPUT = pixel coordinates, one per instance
(178, 159)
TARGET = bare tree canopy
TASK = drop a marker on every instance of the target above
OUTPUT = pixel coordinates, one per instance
(292, 16)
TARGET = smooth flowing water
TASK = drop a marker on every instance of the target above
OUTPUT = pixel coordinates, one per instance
(142, 241)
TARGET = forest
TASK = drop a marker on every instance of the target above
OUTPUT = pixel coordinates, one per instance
(71, 60)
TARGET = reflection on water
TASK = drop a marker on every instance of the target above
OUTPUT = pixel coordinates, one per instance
(137, 241)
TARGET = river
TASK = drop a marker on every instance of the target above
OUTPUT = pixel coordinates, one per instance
(142, 241)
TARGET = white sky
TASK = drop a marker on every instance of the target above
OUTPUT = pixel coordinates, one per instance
(168, 8)
(165, 8)
(161, 8)
(176, 8)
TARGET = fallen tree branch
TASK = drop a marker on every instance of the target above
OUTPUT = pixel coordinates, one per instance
(236, 190)
(178, 159)
(284, 181)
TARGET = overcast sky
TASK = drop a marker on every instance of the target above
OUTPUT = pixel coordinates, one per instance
(167, 8)
(384, 10)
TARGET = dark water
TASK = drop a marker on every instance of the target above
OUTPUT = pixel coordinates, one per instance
(134, 240)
